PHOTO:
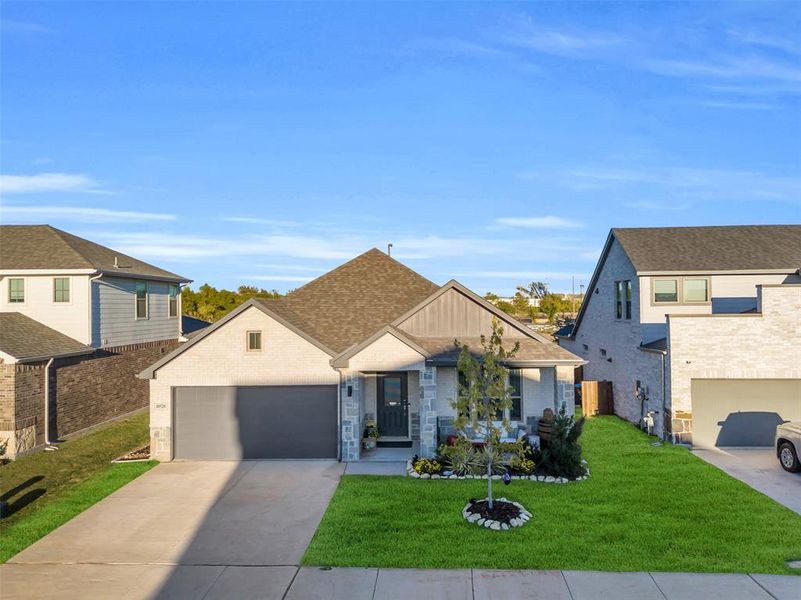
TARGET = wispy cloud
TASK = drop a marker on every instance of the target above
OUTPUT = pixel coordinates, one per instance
(521, 31)
(331, 246)
(11, 26)
(261, 221)
(82, 214)
(726, 67)
(49, 182)
(539, 222)
(688, 182)
(734, 105)
(458, 47)
(755, 38)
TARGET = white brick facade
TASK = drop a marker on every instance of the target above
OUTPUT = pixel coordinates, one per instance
(765, 345)
(221, 359)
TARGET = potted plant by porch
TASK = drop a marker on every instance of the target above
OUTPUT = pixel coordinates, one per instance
(371, 435)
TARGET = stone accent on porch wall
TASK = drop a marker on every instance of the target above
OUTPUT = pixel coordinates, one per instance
(428, 412)
(565, 393)
(351, 418)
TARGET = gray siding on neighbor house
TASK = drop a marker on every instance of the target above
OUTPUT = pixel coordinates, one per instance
(114, 321)
(453, 315)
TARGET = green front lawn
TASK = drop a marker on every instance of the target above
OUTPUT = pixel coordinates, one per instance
(644, 508)
(46, 489)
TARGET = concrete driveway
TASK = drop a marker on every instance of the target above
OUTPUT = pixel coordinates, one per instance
(183, 530)
(759, 468)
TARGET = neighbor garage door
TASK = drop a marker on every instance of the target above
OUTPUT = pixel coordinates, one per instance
(231, 423)
(742, 412)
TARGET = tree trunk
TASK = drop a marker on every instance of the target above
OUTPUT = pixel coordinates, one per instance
(488, 445)
(489, 483)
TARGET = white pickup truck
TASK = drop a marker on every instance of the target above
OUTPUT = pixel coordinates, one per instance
(788, 445)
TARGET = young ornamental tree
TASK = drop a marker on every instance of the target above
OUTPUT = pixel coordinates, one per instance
(484, 394)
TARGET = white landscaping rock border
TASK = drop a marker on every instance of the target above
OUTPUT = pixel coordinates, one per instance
(540, 478)
(471, 517)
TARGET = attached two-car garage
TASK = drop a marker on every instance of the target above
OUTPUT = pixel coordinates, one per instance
(251, 422)
(742, 412)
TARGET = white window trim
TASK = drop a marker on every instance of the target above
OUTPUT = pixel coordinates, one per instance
(248, 349)
(69, 291)
(24, 292)
(136, 301)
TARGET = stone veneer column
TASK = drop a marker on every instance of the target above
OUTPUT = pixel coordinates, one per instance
(428, 412)
(564, 389)
(351, 417)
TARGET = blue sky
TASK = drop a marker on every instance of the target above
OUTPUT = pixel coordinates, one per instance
(492, 143)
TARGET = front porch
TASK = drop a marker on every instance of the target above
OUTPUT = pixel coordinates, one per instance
(402, 404)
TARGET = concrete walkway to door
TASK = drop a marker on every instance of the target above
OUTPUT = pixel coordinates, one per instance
(141, 541)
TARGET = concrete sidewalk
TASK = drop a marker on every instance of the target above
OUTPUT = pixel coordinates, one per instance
(207, 582)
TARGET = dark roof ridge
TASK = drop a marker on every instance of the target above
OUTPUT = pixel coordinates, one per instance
(369, 252)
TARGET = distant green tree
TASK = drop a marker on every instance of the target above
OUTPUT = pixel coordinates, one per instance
(210, 304)
(553, 304)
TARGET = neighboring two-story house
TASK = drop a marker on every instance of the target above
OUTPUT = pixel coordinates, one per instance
(697, 328)
(77, 321)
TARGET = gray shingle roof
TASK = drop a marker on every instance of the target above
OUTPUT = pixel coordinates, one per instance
(720, 248)
(444, 350)
(45, 247)
(25, 338)
(350, 303)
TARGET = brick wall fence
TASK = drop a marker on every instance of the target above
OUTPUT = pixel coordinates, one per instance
(84, 391)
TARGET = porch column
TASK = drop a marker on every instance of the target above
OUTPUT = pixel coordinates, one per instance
(428, 412)
(564, 393)
(351, 394)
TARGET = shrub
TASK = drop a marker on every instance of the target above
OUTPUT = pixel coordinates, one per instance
(428, 465)
(561, 457)
(462, 457)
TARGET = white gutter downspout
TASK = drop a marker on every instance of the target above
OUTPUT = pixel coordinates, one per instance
(89, 304)
(47, 402)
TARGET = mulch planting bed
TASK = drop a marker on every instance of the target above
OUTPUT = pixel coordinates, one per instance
(503, 512)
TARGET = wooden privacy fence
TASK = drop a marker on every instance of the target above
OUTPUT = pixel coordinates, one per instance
(596, 398)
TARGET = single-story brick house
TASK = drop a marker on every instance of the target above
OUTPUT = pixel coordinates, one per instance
(298, 376)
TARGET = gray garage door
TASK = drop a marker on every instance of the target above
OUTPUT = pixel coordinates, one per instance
(231, 423)
(742, 412)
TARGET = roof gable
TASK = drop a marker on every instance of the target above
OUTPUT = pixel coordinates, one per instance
(348, 304)
(42, 247)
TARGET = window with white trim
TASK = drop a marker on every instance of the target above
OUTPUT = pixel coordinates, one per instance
(16, 290)
(61, 289)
